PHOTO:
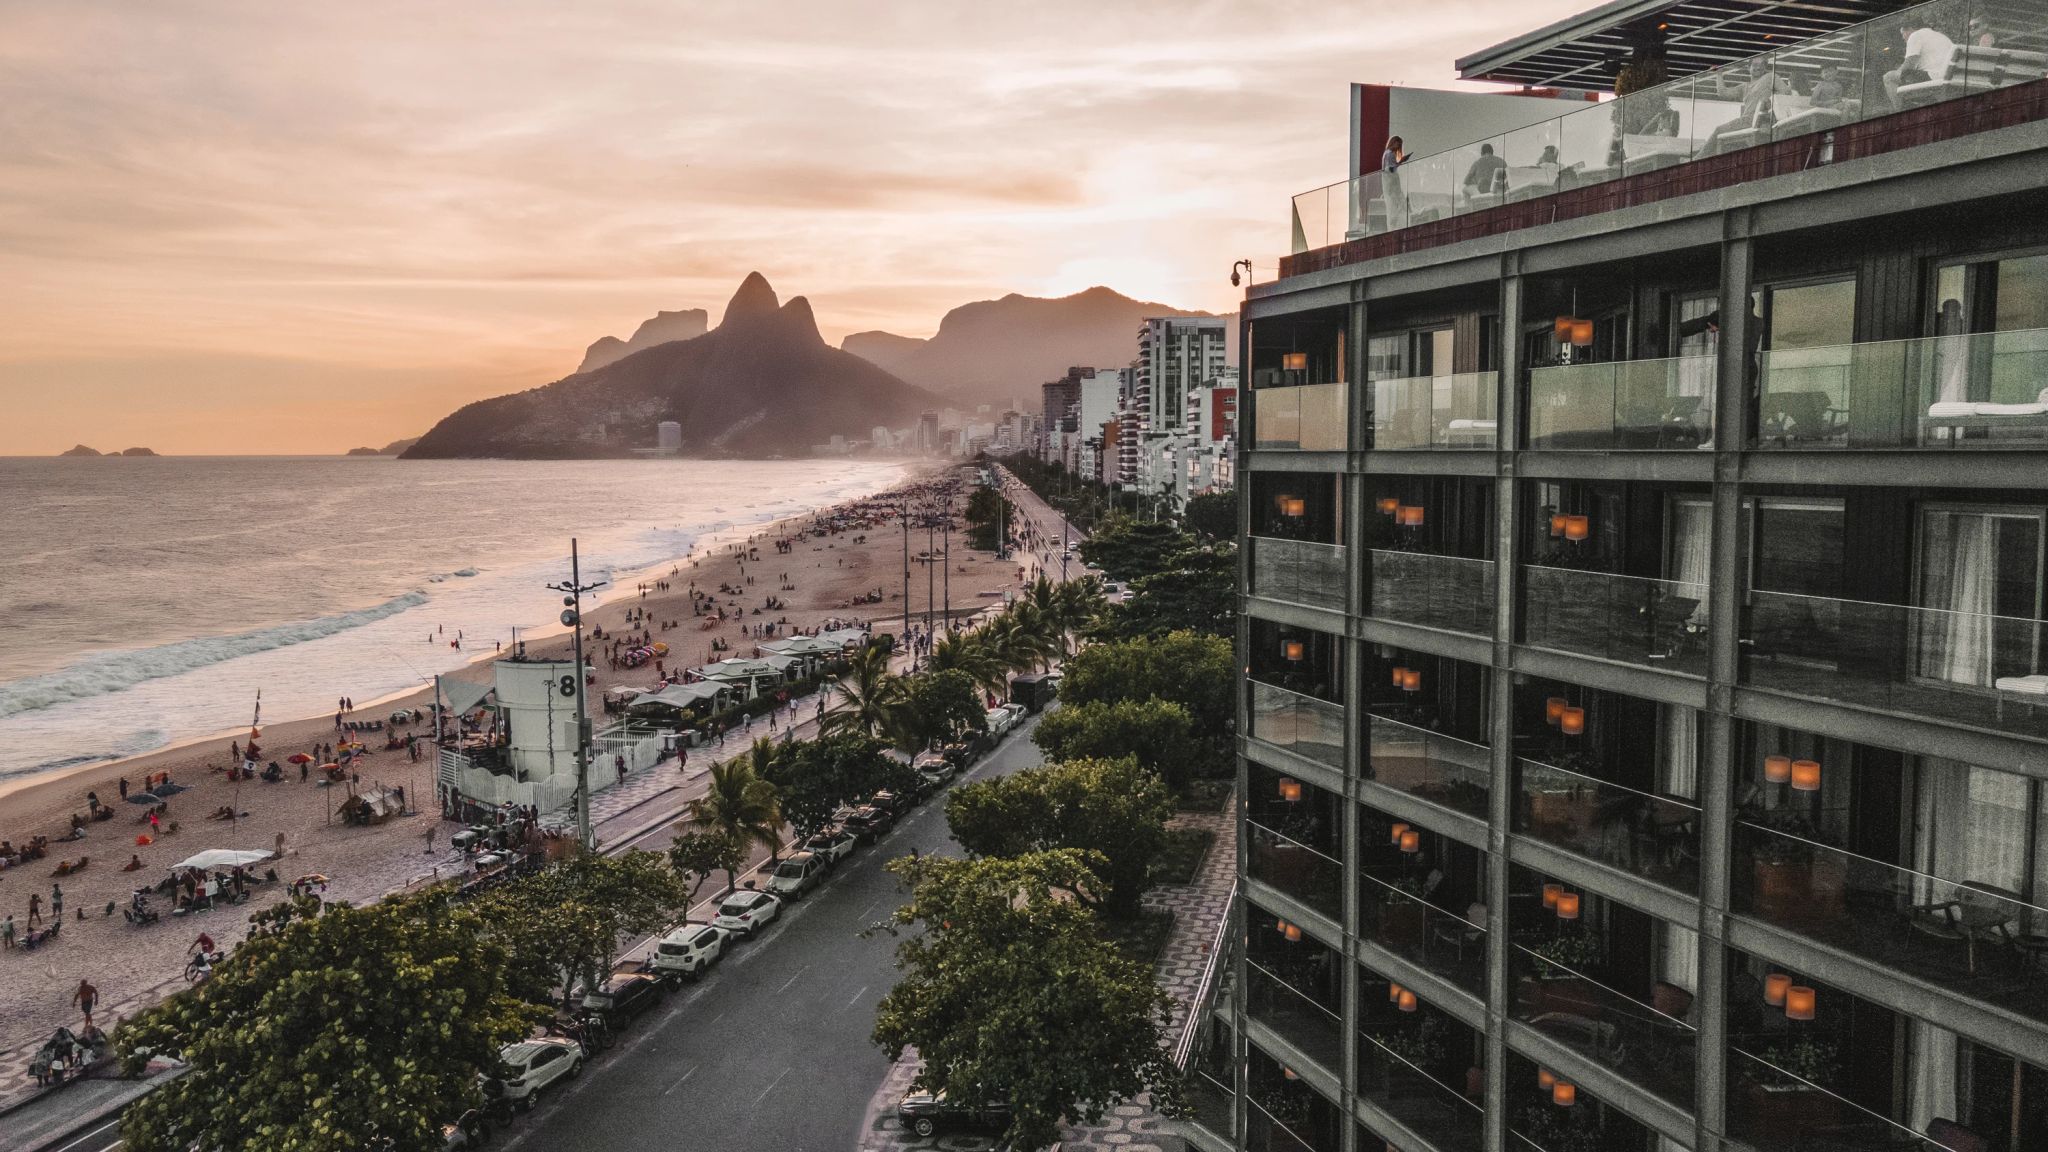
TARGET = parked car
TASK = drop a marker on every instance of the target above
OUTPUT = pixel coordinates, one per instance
(531, 1065)
(932, 763)
(925, 1113)
(623, 996)
(797, 875)
(998, 722)
(1016, 711)
(831, 845)
(959, 755)
(868, 822)
(746, 913)
(689, 950)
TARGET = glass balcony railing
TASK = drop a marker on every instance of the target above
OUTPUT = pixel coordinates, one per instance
(1298, 571)
(1773, 1109)
(1976, 939)
(1815, 85)
(1448, 592)
(1391, 1076)
(1655, 837)
(1310, 875)
(1631, 619)
(1306, 1022)
(1305, 418)
(1626, 404)
(1402, 922)
(1209, 1104)
(1435, 411)
(1275, 1125)
(1967, 668)
(1428, 765)
(1301, 724)
(1638, 1042)
(1963, 391)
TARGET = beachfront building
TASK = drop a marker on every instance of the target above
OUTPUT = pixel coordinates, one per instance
(1175, 354)
(751, 677)
(1644, 732)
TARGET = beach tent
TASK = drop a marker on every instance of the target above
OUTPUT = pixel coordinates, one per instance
(464, 696)
(679, 695)
(220, 858)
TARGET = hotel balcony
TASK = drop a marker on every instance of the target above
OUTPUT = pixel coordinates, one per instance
(1982, 390)
(1292, 690)
(1429, 765)
(1302, 724)
(1654, 837)
(1292, 989)
(1295, 550)
(1630, 619)
(1739, 122)
(1298, 572)
(1282, 1113)
(1421, 896)
(1452, 411)
(1447, 592)
(1420, 1065)
(1549, 1113)
(1631, 404)
(1294, 834)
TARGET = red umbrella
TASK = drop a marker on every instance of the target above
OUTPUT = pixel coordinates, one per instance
(299, 758)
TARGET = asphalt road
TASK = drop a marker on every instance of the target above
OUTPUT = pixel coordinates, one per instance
(771, 1051)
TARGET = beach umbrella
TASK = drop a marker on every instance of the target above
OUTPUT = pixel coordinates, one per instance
(329, 767)
(143, 798)
(299, 758)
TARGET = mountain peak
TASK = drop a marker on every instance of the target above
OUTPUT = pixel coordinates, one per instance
(755, 298)
(798, 321)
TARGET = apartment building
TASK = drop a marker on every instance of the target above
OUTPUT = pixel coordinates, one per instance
(1644, 735)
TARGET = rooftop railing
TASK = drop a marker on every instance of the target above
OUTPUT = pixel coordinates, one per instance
(1811, 87)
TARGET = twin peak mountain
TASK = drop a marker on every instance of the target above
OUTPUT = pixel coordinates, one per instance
(764, 383)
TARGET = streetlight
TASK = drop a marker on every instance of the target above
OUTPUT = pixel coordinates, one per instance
(572, 616)
(1244, 264)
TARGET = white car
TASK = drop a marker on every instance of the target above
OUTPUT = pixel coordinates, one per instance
(797, 874)
(689, 950)
(531, 1065)
(746, 913)
(998, 721)
(831, 845)
(1017, 713)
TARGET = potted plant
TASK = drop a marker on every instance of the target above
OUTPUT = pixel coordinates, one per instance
(1570, 953)
(1795, 882)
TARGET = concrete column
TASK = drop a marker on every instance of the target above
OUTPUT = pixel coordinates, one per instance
(1354, 694)
(1500, 734)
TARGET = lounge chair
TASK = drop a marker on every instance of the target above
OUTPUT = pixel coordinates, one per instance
(1977, 912)
(1976, 69)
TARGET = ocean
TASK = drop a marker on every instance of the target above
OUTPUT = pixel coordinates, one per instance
(146, 600)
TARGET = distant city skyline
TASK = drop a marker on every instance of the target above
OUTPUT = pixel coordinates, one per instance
(238, 228)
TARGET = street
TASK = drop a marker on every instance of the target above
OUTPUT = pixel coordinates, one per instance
(771, 1050)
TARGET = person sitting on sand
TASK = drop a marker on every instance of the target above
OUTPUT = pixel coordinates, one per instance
(134, 863)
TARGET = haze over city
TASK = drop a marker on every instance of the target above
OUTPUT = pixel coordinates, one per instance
(238, 228)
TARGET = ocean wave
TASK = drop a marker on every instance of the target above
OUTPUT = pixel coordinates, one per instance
(113, 671)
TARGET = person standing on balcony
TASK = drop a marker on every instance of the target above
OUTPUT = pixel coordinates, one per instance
(1488, 173)
(1928, 55)
(1390, 183)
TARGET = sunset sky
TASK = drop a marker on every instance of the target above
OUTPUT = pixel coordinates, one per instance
(253, 227)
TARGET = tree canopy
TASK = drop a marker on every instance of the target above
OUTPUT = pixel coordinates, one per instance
(987, 519)
(1212, 515)
(739, 803)
(815, 777)
(1127, 548)
(564, 923)
(934, 707)
(696, 856)
(1158, 734)
(1113, 810)
(1196, 591)
(1190, 669)
(1010, 993)
(331, 1029)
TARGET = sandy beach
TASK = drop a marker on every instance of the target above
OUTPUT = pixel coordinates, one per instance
(363, 863)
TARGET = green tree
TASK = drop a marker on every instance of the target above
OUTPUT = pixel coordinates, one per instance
(1114, 810)
(934, 707)
(970, 652)
(1127, 548)
(987, 519)
(1010, 993)
(1196, 671)
(740, 804)
(815, 777)
(564, 924)
(866, 694)
(1157, 733)
(331, 1029)
(1197, 591)
(1212, 515)
(695, 856)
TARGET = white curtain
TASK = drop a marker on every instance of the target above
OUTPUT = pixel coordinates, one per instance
(1688, 568)
(1934, 1084)
(1973, 824)
(1958, 561)
(1678, 956)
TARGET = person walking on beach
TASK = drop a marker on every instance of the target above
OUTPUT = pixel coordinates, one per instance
(56, 903)
(85, 998)
(124, 787)
(7, 933)
(35, 911)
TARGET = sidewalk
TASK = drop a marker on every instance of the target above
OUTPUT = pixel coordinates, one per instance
(1132, 1126)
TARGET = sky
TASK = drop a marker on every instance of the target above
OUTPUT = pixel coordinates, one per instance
(245, 227)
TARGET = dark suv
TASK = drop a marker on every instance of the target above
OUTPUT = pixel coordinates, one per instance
(925, 1113)
(624, 996)
(868, 822)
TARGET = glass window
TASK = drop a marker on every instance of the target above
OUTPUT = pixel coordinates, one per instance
(1799, 547)
(1812, 315)
(1384, 357)
(2022, 293)
(1980, 570)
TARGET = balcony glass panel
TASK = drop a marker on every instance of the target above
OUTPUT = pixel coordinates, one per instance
(1962, 391)
(1976, 939)
(1655, 837)
(1959, 667)
(1638, 1042)
(1270, 1127)
(1400, 921)
(1308, 1024)
(1454, 773)
(1298, 571)
(1628, 404)
(1448, 592)
(1301, 724)
(1209, 1102)
(1435, 411)
(1632, 619)
(1310, 875)
(1774, 1110)
(1390, 1075)
(1306, 418)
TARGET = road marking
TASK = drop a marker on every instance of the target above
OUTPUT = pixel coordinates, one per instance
(114, 1123)
(679, 1082)
(720, 1016)
(870, 908)
(793, 979)
(769, 1088)
(857, 995)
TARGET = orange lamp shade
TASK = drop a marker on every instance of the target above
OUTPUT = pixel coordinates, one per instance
(1553, 709)
(1411, 515)
(1394, 993)
(1567, 905)
(1806, 775)
(1407, 1003)
(1777, 769)
(1291, 649)
(1557, 523)
(1582, 332)
(1561, 328)
(1289, 1073)
(1389, 504)
(1400, 675)
(1577, 527)
(1295, 361)
(1545, 1078)
(1564, 1093)
(1572, 721)
(1799, 1002)
(1775, 987)
(1281, 926)
(1411, 680)
(1411, 841)
(1293, 506)
(1550, 894)
(1293, 932)
(1399, 831)
(1290, 789)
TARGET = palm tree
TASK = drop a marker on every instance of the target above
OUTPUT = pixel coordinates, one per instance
(1076, 605)
(742, 805)
(969, 653)
(866, 692)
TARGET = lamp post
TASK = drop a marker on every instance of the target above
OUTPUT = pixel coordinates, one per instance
(572, 615)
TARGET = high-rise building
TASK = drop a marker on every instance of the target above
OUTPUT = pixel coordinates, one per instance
(1644, 726)
(1175, 354)
(928, 431)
